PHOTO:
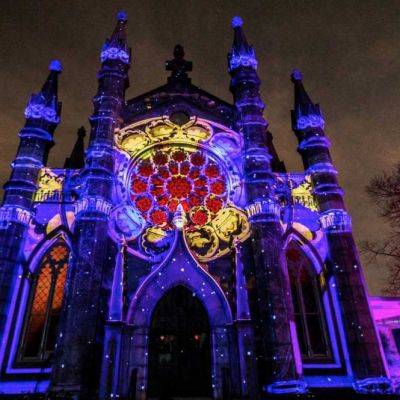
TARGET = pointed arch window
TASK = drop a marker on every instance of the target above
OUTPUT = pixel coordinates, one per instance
(309, 313)
(45, 301)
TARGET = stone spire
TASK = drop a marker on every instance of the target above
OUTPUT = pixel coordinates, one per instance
(92, 269)
(42, 117)
(116, 48)
(342, 262)
(245, 87)
(45, 104)
(77, 158)
(18, 209)
(275, 354)
(242, 54)
(305, 113)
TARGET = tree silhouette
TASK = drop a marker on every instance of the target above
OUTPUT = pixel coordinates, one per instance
(384, 191)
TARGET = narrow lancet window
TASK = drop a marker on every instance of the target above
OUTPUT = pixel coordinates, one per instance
(308, 308)
(44, 308)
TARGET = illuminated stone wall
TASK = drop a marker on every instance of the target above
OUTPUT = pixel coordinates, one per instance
(180, 188)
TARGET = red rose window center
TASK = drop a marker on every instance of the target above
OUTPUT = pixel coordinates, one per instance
(178, 176)
(179, 187)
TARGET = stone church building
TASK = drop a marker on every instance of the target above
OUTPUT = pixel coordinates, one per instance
(175, 256)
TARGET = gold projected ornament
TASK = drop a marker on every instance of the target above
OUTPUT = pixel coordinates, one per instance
(302, 194)
(186, 177)
(50, 184)
(161, 130)
(215, 238)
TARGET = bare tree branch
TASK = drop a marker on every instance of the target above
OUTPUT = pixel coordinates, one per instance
(384, 192)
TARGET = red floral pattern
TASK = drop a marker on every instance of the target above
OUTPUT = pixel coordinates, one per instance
(145, 169)
(178, 176)
(159, 217)
(217, 187)
(200, 217)
(139, 186)
(179, 187)
(179, 156)
(198, 159)
(214, 204)
(160, 158)
(212, 170)
(143, 203)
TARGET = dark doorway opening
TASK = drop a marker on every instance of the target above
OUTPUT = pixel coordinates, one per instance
(179, 347)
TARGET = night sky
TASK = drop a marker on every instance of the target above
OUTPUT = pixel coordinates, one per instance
(348, 51)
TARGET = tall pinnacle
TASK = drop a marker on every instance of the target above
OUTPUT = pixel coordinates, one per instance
(77, 158)
(117, 46)
(300, 94)
(239, 38)
(45, 104)
(242, 54)
(306, 114)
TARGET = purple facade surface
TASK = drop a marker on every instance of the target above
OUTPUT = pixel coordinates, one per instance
(176, 257)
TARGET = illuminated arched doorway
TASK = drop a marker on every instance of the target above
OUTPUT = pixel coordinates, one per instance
(179, 347)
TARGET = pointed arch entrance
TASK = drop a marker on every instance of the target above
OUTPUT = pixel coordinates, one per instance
(179, 270)
(179, 347)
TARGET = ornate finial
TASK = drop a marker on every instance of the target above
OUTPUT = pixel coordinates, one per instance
(44, 105)
(179, 219)
(242, 54)
(296, 75)
(55, 65)
(237, 22)
(306, 114)
(122, 16)
(116, 48)
(179, 66)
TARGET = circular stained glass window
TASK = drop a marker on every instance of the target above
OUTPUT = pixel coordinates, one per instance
(178, 176)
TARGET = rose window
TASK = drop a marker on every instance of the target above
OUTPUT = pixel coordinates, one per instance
(178, 176)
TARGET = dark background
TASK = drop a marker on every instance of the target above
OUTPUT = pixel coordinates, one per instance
(348, 51)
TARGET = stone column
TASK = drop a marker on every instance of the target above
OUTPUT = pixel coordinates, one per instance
(343, 261)
(79, 349)
(274, 307)
(36, 138)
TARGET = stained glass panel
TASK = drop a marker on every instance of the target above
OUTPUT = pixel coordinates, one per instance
(178, 176)
(46, 301)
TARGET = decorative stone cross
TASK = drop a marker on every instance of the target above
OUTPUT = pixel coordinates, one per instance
(179, 66)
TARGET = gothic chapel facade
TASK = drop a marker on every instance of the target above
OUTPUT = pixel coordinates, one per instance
(176, 256)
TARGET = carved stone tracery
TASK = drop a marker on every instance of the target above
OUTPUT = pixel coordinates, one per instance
(192, 167)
